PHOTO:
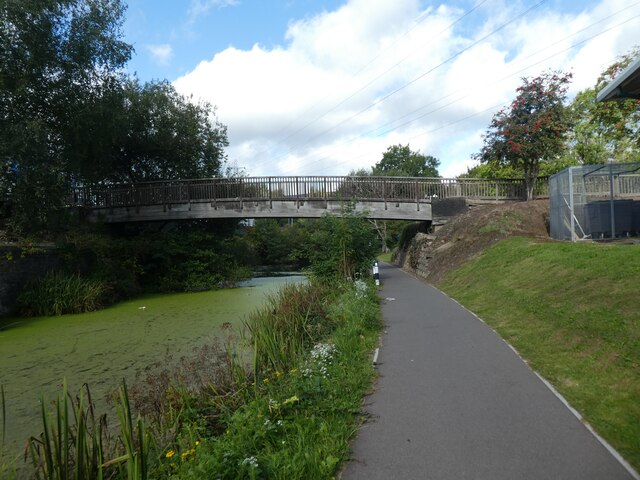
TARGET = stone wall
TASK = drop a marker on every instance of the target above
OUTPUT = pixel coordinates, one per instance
(415, 258)
(17, 268)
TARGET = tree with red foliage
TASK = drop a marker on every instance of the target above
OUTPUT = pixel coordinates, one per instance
(532, 129)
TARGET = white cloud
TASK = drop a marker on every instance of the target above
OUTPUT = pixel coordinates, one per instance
(197, 8)
(346, 84)
(161, 54)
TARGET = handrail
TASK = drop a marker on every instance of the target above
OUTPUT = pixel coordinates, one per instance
(299, 188)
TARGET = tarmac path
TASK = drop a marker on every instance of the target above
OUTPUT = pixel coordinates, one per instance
(454, 401)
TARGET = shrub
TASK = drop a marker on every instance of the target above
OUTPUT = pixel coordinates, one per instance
(342, 247)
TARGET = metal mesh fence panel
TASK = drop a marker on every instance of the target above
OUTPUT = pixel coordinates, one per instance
(595, 201)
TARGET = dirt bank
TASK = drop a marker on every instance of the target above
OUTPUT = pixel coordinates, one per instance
(464, 237)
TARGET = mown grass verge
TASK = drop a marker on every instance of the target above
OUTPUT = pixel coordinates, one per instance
(572, 311)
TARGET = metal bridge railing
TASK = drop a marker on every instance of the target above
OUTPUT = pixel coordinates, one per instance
(398, 189)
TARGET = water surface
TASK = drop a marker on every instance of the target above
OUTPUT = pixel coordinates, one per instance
(100, 348)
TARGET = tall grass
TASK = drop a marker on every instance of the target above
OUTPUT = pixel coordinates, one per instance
(136, 439)
(286, 327)
(59, 293)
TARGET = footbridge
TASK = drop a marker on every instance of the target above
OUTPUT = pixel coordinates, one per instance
(384, 198)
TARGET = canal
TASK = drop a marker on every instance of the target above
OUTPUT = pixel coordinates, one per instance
(101, 348)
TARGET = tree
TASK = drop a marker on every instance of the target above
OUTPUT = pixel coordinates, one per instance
(270, 241)
(531, 131)
(69, 115)
(54, 54)
(341, 246)
(146, 132)
(605, 130)
(388, 231)
(400, 160)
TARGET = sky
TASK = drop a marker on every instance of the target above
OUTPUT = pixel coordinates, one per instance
(324, 87)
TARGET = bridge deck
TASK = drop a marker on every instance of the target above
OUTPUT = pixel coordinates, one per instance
(405, 198)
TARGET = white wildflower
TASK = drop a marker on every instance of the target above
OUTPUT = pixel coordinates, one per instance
(251, 461)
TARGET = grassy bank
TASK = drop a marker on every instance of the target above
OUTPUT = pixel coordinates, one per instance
(572, 311)
(304, 405)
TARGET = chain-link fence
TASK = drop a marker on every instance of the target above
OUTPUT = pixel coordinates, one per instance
(595, 201)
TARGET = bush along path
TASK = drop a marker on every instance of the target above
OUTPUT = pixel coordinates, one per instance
(291, 415)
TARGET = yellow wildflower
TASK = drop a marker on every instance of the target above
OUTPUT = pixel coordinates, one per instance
(170, 454)
(197, 442)
(278, 374)
(291, 400)
(293, 370)
(266, 380)
(187, 454)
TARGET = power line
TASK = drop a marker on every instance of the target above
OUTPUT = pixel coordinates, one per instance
(368, 133)
(465, 96)
(520, 60)
(502, 78)
(349, 97)
(419, 77)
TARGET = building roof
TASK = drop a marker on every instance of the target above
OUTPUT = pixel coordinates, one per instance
(625, 85)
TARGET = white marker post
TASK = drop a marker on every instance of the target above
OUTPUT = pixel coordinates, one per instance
(376, 273)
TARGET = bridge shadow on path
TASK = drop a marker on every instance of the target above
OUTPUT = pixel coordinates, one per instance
(454, 401)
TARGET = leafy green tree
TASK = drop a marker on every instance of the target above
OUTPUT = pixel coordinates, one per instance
(605, 130)
(69, 115)
(341, 246)
(146, 132)
(388, 231)
(168, 136)
(53, 55)
(271, 242)
(495, 170)
(532, 129)
(401, 161)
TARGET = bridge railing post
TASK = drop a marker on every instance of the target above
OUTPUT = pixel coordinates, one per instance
(384, 192)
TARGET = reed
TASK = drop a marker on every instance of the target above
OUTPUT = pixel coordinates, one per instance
(7, 469)
(59, 293)
(74, 443)
(4, 419)
(287, 326)
(136, 439)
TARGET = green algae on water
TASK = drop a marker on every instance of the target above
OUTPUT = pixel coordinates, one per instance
(101, 348)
